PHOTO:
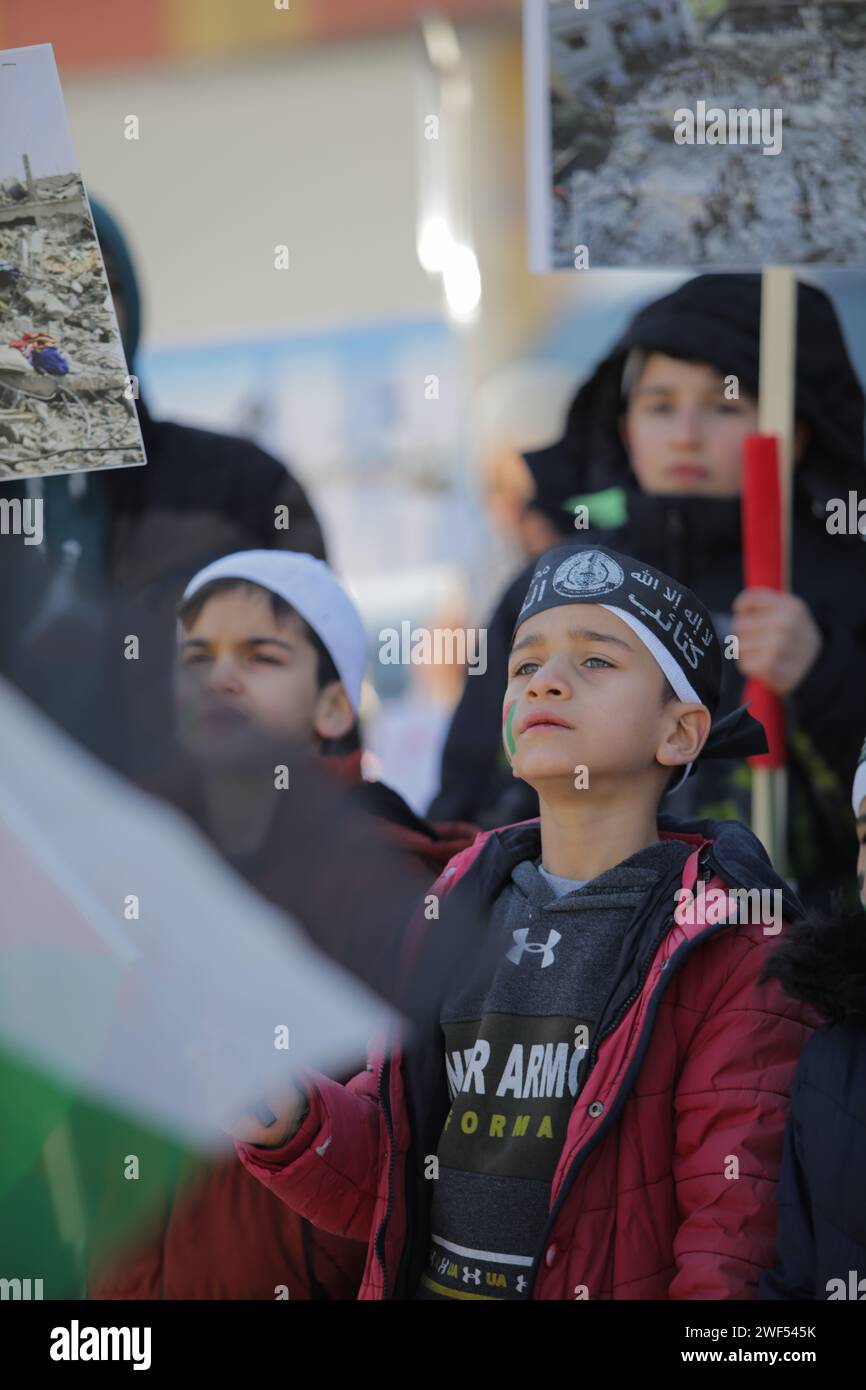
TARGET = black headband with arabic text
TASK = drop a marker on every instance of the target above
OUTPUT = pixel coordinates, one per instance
(669, 619)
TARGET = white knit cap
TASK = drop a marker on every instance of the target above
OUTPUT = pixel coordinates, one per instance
(859, 790)
(313, 590)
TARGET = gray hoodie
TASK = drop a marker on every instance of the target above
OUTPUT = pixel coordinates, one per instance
(515, 1036)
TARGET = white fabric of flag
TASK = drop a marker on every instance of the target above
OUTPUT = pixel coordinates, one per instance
(114, 1005)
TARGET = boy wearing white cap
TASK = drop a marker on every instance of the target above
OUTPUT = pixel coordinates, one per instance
(271, 657)
(272, 652)
(270, 643)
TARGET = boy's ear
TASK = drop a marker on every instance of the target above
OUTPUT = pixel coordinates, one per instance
(686, 730)
(333, 715)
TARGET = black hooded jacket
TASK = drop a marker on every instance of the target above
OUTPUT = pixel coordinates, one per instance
(822, 1188)
(714, 319)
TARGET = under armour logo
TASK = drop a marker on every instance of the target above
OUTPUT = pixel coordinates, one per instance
(546, 948)
(474, 1275)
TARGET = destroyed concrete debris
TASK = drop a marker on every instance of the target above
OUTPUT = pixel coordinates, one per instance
(653, 202)
(56, 285)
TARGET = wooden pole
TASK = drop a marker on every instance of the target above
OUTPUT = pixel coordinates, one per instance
(776, 406)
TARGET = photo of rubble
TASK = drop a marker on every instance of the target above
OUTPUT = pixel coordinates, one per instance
(65, 402)
(772, 87)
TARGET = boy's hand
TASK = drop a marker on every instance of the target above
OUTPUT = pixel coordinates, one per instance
(779, 639)
(246, 1128)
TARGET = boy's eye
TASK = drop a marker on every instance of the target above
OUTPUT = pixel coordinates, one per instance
(601, 663)
(261, 659)
(195, 658)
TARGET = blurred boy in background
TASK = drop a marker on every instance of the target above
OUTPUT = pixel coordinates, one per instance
(272, 653)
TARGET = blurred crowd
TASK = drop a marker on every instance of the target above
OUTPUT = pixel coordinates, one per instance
(249, 642)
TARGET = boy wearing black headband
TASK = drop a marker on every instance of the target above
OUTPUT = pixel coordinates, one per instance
(600, 1114)
(669, 627)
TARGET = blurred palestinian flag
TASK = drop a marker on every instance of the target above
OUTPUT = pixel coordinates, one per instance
(124, 940)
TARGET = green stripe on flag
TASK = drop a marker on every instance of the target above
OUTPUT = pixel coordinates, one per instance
(68, 1201)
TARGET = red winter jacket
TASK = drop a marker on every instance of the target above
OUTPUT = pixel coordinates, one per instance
(690, 1070)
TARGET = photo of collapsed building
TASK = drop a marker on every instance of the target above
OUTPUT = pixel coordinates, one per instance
(765, 85)
(66, 404)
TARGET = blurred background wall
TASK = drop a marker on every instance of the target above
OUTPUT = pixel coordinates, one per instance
(403, 408)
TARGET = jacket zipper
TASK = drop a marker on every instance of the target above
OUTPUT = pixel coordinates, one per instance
(626, 1005)
(385, 1099)
(651, 954)
(704, 863)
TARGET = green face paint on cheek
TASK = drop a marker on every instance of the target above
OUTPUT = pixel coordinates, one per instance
(507, 719)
